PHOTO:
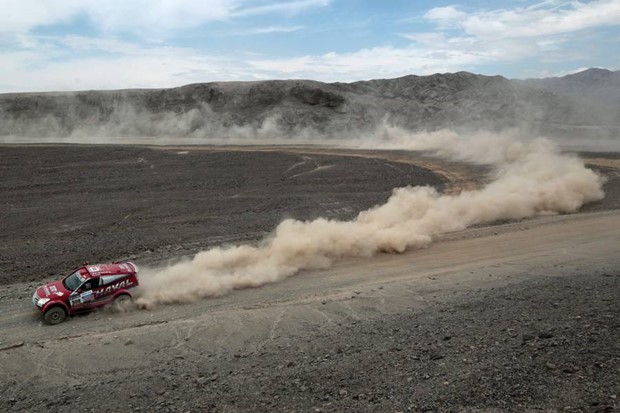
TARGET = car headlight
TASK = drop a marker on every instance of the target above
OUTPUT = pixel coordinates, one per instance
(42, 302)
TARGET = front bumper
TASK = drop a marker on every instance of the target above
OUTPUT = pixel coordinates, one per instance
(39, 302)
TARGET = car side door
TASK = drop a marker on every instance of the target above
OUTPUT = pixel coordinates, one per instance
(84, 297)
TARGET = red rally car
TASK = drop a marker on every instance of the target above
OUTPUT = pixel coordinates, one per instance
(86, 288)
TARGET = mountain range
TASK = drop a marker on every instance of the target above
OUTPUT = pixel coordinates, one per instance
(585, 104)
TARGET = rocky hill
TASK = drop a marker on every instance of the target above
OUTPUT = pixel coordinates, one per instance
(574, 105)
(599, 85)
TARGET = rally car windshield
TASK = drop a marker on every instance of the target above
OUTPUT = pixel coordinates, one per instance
(73, 281)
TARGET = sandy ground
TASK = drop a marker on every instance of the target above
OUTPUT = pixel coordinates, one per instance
(518, 317)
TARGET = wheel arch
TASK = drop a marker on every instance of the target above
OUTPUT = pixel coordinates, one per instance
(122, 292)
(51, 304)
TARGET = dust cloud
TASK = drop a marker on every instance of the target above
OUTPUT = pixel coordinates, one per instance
(529, 178)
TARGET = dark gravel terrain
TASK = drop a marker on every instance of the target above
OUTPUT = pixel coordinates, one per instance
(63, 205)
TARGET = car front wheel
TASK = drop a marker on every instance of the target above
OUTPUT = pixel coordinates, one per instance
(55, 315)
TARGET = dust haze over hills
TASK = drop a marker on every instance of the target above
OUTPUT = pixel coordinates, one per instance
(584, 105)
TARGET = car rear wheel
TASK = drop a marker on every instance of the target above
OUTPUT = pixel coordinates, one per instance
(55, 315)
(122, 303)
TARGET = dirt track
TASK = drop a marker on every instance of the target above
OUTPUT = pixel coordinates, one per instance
(515, 317)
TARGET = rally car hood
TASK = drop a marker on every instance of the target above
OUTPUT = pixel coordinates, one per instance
(52, 290)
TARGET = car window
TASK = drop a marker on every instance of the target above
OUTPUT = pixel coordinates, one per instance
(73, 281)
(108, 279)
(90, 284)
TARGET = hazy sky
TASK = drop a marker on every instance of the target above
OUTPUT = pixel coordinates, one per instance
(106, 44)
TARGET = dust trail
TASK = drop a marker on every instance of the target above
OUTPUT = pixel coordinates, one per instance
(530, 178)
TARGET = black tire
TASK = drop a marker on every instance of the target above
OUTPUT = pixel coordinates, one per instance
(55, 315)
(122, 303)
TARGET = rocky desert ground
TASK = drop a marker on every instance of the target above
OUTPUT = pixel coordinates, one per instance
(508, 316)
